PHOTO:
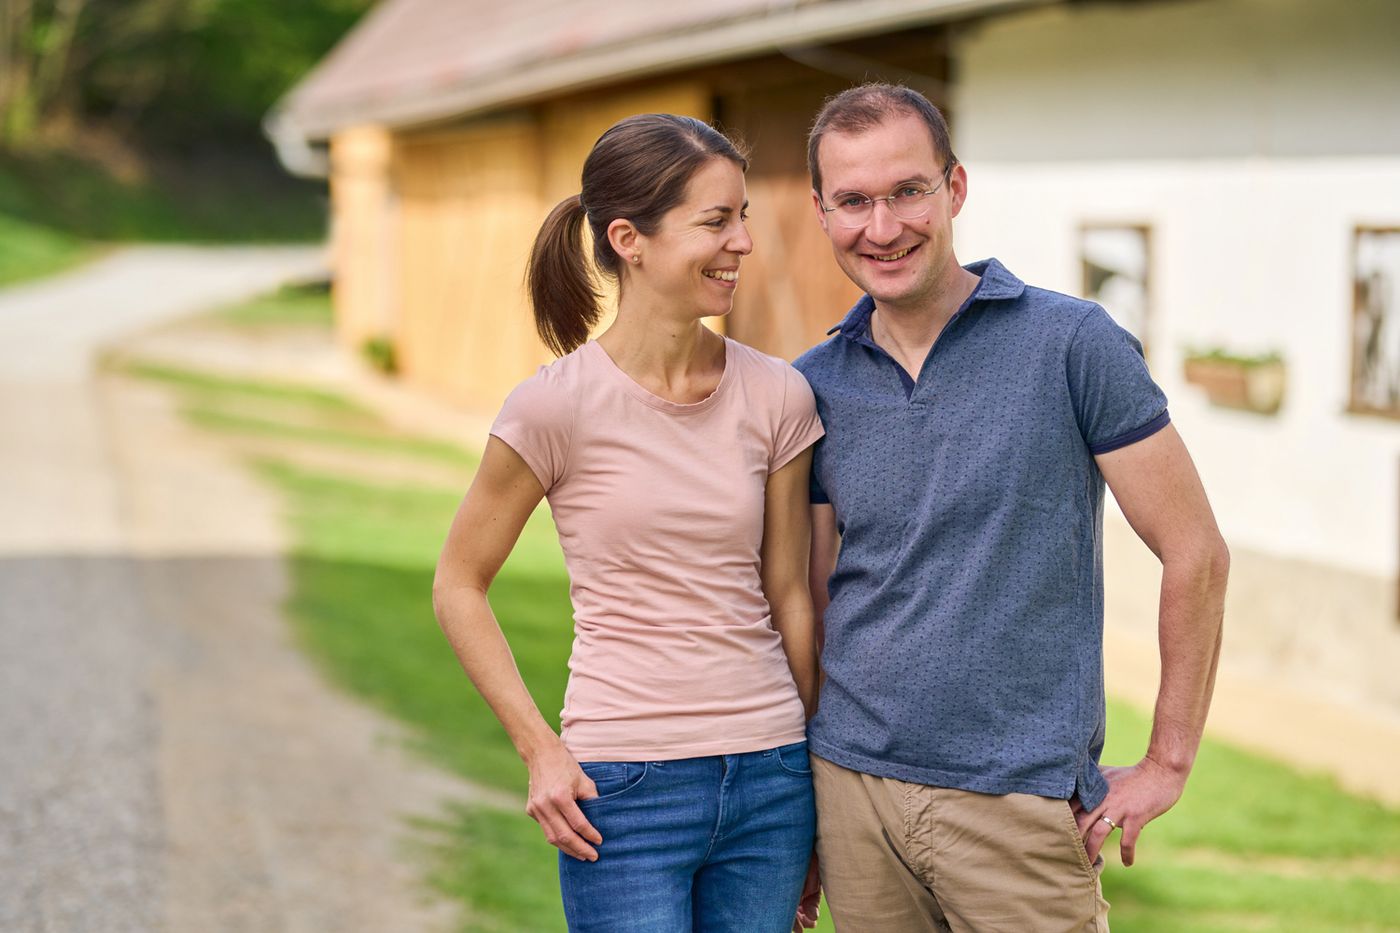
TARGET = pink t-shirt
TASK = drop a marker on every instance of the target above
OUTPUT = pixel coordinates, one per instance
(659, 508)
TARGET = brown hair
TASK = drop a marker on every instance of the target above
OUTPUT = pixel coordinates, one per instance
(638, 170)
(861, 108)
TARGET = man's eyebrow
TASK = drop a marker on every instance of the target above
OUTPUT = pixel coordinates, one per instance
(921, 179)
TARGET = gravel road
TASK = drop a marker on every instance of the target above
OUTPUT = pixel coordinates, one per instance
(170, 761)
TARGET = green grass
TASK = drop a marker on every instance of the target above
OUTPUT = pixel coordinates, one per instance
(30, 251)
(210, 389)
(290, 306)
(1253, 845)
(375, 440)
(500, 866)
(295, 412)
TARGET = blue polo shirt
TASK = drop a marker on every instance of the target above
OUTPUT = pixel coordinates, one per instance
(964, 640)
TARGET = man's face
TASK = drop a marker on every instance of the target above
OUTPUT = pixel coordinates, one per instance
(899, 262)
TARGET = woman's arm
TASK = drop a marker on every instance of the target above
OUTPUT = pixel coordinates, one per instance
(488, 523)
(786, 540)
(826, 544)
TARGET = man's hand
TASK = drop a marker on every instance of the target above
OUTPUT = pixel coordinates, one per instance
(809, 907)
(556, 783)
(1136, 796)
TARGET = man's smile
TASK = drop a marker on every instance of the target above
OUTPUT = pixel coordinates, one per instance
(893, 256)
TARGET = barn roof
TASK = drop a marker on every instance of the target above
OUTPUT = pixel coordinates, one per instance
(413, 62)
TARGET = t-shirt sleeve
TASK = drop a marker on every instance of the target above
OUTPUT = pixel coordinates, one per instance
(536, 421)
(798, 424)
(1115, 400)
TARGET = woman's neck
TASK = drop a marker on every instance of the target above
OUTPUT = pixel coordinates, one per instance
(675, 357)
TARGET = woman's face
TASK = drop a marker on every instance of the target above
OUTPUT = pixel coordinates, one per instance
(692, 259)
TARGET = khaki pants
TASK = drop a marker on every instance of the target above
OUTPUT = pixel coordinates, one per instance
(899, 857)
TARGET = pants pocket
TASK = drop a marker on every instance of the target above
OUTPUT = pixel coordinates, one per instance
(794, 759)
(1076, 840)
(613, 779)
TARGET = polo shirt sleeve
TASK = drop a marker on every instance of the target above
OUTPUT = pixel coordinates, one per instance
(798, 425)
(536, 422)
(1116, 403)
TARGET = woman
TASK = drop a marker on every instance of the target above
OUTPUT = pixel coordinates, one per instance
(675, 462)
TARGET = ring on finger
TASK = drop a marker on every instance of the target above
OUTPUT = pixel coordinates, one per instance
(1111, 825)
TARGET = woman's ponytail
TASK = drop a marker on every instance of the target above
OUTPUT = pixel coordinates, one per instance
(560, 281)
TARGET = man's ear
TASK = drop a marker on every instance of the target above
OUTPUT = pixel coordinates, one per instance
(957, 187)
(624, 238)
(821, 211)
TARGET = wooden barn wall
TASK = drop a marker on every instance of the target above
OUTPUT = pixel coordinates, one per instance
(469, 202)
(362, 232)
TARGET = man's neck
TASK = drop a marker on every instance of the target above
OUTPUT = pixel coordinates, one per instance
(908, 332)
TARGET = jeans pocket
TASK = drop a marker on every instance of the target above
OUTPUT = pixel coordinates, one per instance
(613, 778)
(794, 759)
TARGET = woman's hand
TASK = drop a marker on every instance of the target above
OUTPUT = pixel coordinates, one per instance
(557, 783)
(809, 906)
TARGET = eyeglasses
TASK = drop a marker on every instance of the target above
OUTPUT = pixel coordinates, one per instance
(909, 202)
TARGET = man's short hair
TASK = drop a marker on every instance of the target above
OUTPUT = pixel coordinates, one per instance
(861, 108)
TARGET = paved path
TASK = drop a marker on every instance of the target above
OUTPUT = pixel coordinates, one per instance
(169, 761)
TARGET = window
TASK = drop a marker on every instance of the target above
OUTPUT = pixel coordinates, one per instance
(1116, 263)
(1375, 348)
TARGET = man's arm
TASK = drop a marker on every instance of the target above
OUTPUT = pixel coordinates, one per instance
(1157, 487)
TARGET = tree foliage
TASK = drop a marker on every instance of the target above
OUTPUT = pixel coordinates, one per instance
(172, 72)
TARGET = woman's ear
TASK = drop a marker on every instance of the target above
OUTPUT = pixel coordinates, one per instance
(625, 239)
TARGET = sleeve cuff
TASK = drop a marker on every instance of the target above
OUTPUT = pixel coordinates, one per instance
(1133, 436)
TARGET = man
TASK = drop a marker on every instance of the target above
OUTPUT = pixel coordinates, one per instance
(957, 526)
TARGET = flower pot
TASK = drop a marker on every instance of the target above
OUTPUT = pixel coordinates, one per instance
(1245, 385)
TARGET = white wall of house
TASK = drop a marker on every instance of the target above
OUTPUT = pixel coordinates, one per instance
(1252, 137)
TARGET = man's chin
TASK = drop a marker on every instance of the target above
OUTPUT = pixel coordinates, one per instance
(886, 295)
(885, 292)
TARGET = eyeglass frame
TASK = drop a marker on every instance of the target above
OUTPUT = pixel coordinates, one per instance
(889, 200)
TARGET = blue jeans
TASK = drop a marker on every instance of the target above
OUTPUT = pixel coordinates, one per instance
(709, 844)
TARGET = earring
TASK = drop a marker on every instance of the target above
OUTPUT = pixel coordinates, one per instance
(636, 258)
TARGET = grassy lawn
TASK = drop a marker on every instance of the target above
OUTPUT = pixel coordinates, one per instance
(1252, 846)
(30, 251)
(289, 306)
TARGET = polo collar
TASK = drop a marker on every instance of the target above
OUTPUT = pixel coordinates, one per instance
(997, 284)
